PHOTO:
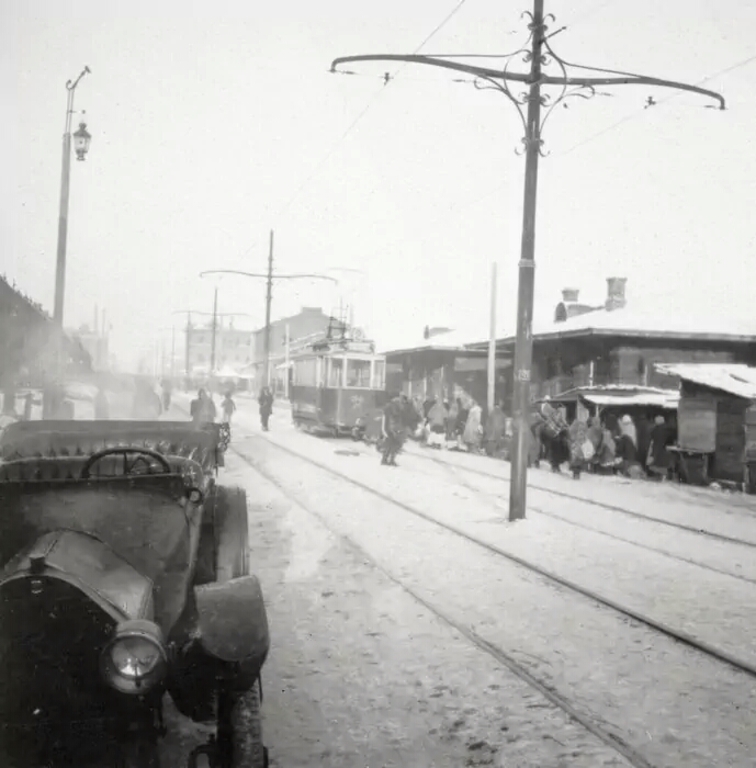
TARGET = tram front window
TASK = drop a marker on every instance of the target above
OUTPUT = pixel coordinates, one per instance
(335, 368)
(379, 375)
(358, 373)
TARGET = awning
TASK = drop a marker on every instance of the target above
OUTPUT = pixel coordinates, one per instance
(648, 399)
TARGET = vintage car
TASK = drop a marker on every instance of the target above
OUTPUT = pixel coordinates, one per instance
(124, 578)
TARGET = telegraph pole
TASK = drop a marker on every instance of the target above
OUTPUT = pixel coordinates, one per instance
(215, 327)
(490, 400)
(268, 303)
(539, 54)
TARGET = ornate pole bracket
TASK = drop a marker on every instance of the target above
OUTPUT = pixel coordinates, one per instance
(568, 86)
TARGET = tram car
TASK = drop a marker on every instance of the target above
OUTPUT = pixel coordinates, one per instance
(338, 386)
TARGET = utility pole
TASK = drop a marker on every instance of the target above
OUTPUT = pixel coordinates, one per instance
(214, 327)
(269, 276)
(492, 345)
(539, 54)
(288, 358)
(268, 303)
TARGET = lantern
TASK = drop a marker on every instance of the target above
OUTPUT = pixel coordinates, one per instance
(81, 141)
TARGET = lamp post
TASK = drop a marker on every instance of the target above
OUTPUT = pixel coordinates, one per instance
(539, 54)
(81, 140)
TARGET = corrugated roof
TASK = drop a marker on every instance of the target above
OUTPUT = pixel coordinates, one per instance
(735, 378)
(619, 395)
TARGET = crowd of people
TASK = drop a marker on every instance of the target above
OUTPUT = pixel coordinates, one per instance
(607, 444)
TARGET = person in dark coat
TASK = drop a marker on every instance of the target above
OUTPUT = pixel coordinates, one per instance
(658, 460)
(393, 429)
(266, 407)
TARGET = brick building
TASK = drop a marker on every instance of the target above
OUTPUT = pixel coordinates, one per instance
(234, 348)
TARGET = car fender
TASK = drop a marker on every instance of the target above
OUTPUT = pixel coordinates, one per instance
(232, 621)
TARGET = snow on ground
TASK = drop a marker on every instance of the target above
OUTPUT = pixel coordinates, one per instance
(673, 704)
(360, 674)
(714, 607)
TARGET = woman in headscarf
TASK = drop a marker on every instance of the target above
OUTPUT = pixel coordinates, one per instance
(473, 431)
(627, 443)
(451, 420)
(581, 448)
(437, 424)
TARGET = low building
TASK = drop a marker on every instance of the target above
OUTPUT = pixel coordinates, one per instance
(28, 344)
(441, 366)
(617, 343)
(715, 436)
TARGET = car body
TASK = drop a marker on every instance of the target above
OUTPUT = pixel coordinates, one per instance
(124, 578)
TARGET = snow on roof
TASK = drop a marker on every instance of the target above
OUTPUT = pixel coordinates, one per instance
(622, 395)
(735, 378)
(658, 322)
(451, 340)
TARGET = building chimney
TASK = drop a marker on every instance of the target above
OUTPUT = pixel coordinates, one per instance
(570, 295)
(615, 292)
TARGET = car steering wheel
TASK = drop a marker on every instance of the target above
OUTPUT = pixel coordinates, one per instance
(141, 455)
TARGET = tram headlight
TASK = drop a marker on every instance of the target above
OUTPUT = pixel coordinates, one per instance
(134, 661)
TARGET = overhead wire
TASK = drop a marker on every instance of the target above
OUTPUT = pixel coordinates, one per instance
(362, 114)
(639, 112)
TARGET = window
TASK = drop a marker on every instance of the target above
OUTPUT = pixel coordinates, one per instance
(335, 370)
(379, 374)
(358, 373)
(304, 372)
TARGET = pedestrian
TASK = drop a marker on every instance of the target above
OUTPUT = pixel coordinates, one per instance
(627, 444)
(101, 405)
(266, 407)
(28, 404)
(495, 429)
(393, 430)
(228, 407)
(581, 448)
(451, 421)
(167, 389)
(658, 459)
(473, 430)
(202, 410)
(436, 424)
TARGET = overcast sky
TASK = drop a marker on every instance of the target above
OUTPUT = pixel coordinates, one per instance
(214, 122)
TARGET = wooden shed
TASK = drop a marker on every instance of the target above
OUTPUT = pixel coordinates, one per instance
(716, 420)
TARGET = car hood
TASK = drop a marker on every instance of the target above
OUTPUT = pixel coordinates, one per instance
(89, 564)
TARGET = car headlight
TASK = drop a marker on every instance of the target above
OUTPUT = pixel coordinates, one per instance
(135, 659)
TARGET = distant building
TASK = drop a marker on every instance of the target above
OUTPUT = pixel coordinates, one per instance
(308, 325)
(234, 348)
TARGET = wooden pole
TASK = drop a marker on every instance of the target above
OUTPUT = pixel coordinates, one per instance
(524, 342)
(490, 401)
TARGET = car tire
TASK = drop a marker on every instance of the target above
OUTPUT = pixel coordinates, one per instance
(231, 534)
(240, 738)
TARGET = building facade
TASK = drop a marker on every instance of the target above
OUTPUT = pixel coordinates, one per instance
(615, 343)
(234, 348)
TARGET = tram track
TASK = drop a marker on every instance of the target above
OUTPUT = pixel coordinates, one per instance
(680, 636)
(592, 724)
(600, 504)
(455, 471)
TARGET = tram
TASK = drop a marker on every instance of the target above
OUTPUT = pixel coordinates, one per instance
(338, 386)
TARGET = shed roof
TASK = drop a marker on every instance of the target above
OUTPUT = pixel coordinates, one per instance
(450, 341)
(622, 396)
(735, 378)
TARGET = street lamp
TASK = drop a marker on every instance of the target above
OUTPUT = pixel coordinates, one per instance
(81, 141)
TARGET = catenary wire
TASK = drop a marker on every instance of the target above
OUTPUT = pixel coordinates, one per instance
(362, 114)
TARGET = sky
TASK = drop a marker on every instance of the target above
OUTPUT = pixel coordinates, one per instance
(214, 123)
